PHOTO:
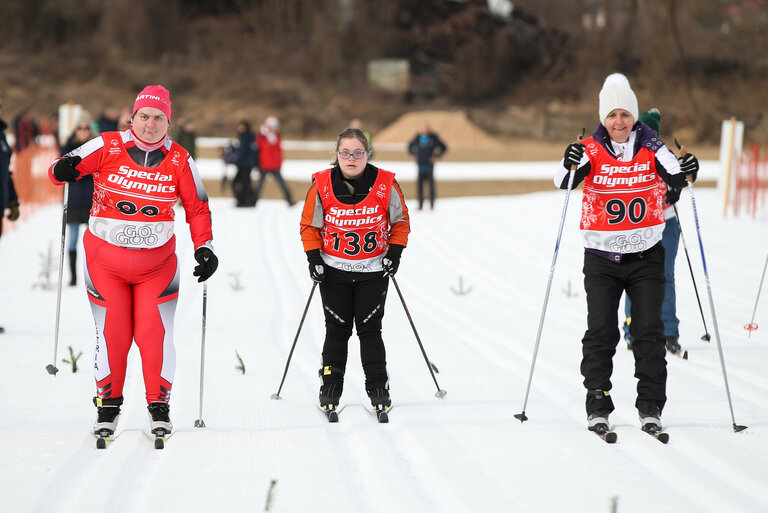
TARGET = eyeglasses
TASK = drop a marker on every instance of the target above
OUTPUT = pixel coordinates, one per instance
(357, 155)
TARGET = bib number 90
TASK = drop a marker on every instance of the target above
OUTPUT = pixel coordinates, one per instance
(618, 211)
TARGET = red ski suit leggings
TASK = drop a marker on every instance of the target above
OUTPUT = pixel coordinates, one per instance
(133, 294)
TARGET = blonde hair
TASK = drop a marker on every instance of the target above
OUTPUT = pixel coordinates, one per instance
(351, 133)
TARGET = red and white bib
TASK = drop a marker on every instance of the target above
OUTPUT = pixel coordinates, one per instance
(355, 237)
(132, 204)
(622, 208)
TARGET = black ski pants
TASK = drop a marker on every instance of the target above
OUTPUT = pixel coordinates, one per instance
(426, 176)
(361, 302)
(641, 275)
(279, 177)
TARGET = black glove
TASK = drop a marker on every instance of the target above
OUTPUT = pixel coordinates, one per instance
(65, 169)
(689, 165)
(673, 195)
(391, 260)
(207, 263)
(13, 206)
(316, 265)
(573, 154)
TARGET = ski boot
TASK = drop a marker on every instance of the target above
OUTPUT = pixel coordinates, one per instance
(330, 391)
(673, 346)
(380, 401)
(598, 422)
(650, 417)
(159, 421)
(108, 413)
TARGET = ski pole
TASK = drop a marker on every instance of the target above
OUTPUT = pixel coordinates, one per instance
(752, 326)
(287, 363)
(51, 367)
(736, 427)
(199, 422)
(521, 416)
(705, 336)
(440, 392)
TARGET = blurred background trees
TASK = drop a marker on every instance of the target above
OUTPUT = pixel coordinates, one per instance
(699, 61)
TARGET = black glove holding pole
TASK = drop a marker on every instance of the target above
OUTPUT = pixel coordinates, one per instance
(316, 265)
(573, 155)
(391, 260)
(65, 169)
(207, 263)
(689, 165)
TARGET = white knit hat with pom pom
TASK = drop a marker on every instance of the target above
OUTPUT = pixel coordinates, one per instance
(617, 94)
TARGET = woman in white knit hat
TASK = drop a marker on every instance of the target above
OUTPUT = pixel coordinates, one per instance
(624, 167)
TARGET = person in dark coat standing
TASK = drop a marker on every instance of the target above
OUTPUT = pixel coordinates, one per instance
(8, 198)
(80, 197)
(245, 159)
(425, 149)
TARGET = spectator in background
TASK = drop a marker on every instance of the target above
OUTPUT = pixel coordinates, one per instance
(124, 121)
(425, 149)
(271, 156)
(8, 199)
(25, 129)
(80, 196)
(244, 156)
(185, 135)
(670, 239)
(107, 122)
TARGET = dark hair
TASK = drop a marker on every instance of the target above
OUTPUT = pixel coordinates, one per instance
(351, 133)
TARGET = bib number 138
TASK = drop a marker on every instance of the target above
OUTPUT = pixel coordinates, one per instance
(352, 242)
(618, 211)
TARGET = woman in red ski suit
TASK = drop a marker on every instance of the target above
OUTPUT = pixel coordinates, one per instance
(131, 271)
(354, 227)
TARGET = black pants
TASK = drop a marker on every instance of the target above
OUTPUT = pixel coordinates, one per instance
(426, 175)
(642, 277)
(361, 302)
(241, 187)
(280, 182)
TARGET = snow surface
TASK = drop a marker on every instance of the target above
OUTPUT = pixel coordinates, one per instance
(464, 453)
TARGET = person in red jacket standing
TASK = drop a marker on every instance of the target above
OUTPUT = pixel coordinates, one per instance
(131, 269)
(271, 156)
(354, 227)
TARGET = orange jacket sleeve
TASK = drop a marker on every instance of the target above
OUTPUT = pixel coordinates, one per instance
(311, 220)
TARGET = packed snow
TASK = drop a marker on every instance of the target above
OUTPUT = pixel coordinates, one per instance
(473, 277)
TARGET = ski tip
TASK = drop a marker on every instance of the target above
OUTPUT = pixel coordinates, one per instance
(383, 417)
(441, 393)
(160, 442)
(333, 416)
(738, 429)
(611, 437)
(521, 416)
(101, 443)
(663, 438)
